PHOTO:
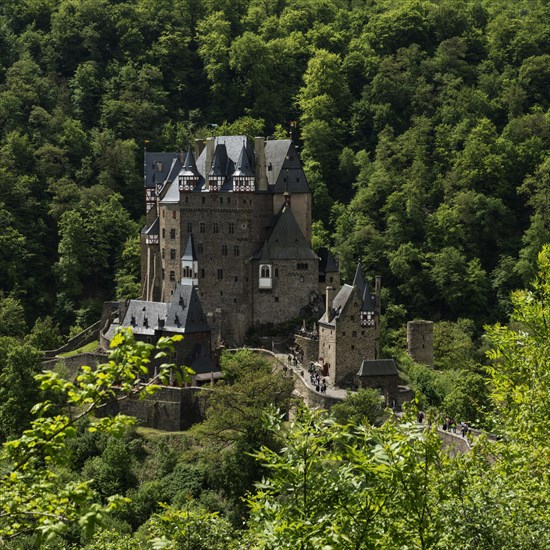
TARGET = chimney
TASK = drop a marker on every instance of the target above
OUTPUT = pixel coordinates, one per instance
(199, 146)
(378, 294)
(261, 175)
(182, 158)
(329, 297)
(210, 145)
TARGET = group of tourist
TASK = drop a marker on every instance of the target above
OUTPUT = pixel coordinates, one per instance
(449, 424)
(317, 379)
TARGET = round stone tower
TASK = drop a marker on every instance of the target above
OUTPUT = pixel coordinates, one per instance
(420, 341)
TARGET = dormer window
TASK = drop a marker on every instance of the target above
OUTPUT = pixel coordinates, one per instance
(367, 318)
(215, 183)
(188, 182)
(243, 183)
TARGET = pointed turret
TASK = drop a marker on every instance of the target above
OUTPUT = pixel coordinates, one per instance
(188, 178)
(243, 176)
(218, 170)
(190, 264)
(359, 280)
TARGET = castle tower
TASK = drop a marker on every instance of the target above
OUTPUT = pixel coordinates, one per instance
(349, 331)
(420, 341)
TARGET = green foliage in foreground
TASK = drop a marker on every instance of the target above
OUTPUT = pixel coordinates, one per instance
(34, 496)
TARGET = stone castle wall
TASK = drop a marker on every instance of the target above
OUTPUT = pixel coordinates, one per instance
(290, 292)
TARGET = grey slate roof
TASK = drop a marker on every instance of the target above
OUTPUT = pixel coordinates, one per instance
(143, 317)
(222, 165)
(233, 147)
(338, 305)
(286, 169)
(359, 280)
(286, 241)
(189, 252)
(183, 315)
(152, 176)
(328, 263)
(243, 168)
(378, 367)
(189, 166)
(153, 229)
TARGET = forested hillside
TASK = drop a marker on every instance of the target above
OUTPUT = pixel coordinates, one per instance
(423, 126)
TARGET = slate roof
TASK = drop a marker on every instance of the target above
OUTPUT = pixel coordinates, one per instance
(378, 367)
(338, 305)
(283, 167)
(286, 241)
(328, 263)
(184, 314)
(243, 167)
(189, 165)
(153, 229)
(364, 291)
(286, 172)
(189, 253)
(233, 147)
(152, 176)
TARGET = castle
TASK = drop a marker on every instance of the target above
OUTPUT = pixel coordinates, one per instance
(232, 221)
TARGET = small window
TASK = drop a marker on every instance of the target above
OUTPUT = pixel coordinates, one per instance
(163, 253)
(221, 200)
(174, 214)
(172, 234)
(276, 272)
(231, 228)
(163, 213)
(215, 227)
(276, 298)
(172, 275)
(343, 333)
(186, 199)
(330, 279)
(265, 271)
(163, 274)
(187, 272)
(236, 279)
(203, 275)
(200, 248)
(202, 227)
(362, 333)
(220, 273)
(270, 167)
(163, 233)
(236, 250)
(203, 200)
(221, 292)
(189, 227)
(224, 250)
(352, 317)
(302, 266)
(352, 347)
(172, 253)
(354, 333)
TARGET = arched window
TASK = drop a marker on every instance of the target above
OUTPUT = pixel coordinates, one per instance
(187, 272)
(265, 280)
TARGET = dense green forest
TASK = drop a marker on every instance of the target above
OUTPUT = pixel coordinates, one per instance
(424, 130)
(423, 126)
